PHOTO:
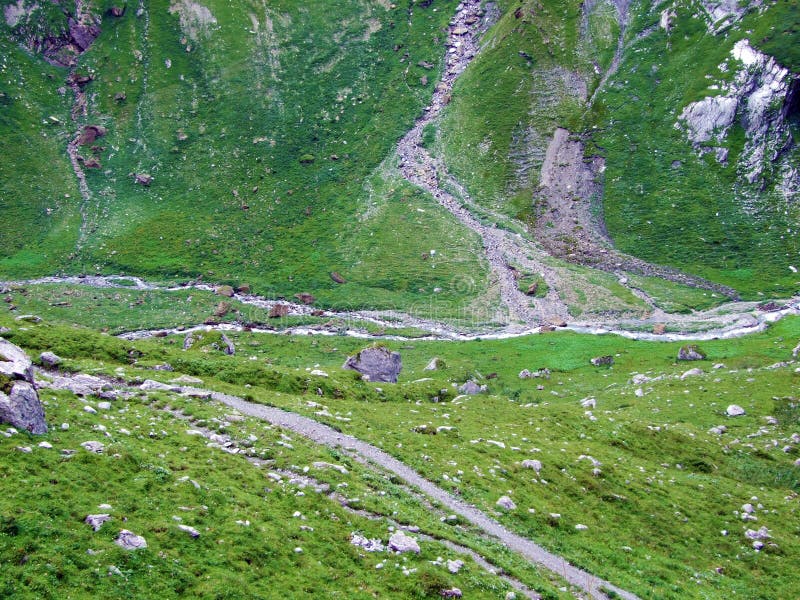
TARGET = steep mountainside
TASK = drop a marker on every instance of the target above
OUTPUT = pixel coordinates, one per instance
(253, 143)
(686, 114)
(231, 141)
(399, 299)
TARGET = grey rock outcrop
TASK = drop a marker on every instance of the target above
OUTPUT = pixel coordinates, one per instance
(19, 402)
(760, 98)
(376, 363)
(80, 384)
(721, 14)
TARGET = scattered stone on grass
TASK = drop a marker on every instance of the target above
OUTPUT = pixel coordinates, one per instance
(127, 540)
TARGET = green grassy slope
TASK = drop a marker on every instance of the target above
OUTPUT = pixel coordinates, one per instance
(696, 216)
(510, 100)
(662, 201)
(38, 192)
(666, 492)
(259, 128)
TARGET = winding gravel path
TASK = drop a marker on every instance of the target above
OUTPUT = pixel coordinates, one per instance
(322, 434)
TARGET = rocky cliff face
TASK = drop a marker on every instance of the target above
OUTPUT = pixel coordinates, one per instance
(761, 98)
(721, 14)
(60, 30)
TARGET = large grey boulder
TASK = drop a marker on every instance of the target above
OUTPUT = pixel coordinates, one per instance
(14, 363)
(19, 402)
(376, 363)
(691, 352)
(400, 542)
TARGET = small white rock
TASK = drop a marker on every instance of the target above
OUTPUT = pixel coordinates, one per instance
(506, 503)
(734, 410)
(454, 566)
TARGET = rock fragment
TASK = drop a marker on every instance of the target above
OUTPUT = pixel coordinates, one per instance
(96, 521)
(377, 363)
(691, 352)
(49, 360)
(506, 503)
(127, 540)
(401, 543)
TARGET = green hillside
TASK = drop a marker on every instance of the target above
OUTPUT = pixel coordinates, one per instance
(262, 127)
(399, 299)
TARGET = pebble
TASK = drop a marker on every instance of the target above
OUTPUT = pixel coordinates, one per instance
(506, 503)
(93, 446)
(454, 566)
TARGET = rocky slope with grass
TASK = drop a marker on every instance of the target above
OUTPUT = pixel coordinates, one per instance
(182, 140)
(417, 299)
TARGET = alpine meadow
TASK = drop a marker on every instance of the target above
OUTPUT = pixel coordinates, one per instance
(399, 299)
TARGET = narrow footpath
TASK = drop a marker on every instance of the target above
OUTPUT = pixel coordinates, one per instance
(322, 434)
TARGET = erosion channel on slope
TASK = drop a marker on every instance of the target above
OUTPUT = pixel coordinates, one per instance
(502, 247)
